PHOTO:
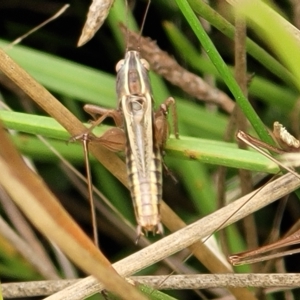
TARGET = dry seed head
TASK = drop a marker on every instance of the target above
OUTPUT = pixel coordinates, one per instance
(97, 14)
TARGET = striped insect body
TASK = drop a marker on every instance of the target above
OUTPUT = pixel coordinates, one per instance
(142, 132)
(143, 150)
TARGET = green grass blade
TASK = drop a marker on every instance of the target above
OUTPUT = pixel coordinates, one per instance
(219, 22)
(270, 25)
(207, 151)
(225, 73)
(266, 90)
(66, 77)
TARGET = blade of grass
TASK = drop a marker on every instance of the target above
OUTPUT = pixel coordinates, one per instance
(266, 90)
(65, 77)
(214, 18)
(207, 151)
(225, 73)
(270, 25)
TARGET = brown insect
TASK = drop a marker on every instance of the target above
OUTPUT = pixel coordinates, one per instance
(142, 133)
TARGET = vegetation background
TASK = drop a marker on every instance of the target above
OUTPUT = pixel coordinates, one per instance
(194, 195)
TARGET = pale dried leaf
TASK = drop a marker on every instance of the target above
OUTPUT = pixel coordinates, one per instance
(97, 14)
(285, 139)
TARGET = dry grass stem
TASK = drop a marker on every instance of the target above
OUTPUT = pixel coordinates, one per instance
(21, 38)
(175, 282)
(188, 235)
(33, 197)
(240, 72)
(25, 233)
(26, 251)
(296, 11)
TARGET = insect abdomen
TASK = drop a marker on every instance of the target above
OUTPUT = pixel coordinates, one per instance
(146, 192)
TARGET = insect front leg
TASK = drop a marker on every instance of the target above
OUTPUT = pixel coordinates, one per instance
(162, 128)
(100, 113)
(161, 122)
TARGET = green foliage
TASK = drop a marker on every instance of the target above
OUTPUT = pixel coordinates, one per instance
(195, 157)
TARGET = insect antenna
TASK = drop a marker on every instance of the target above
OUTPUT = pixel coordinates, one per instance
(127, 34)
(143, 22)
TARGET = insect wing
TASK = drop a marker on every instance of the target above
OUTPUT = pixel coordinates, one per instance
(133, 88)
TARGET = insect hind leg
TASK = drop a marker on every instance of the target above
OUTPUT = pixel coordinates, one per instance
(162, 128)
(113, 139)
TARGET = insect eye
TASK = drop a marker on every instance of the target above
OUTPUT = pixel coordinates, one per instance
(145, 64)
(119, 65)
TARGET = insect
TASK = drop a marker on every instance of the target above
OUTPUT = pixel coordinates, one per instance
(142, 133)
